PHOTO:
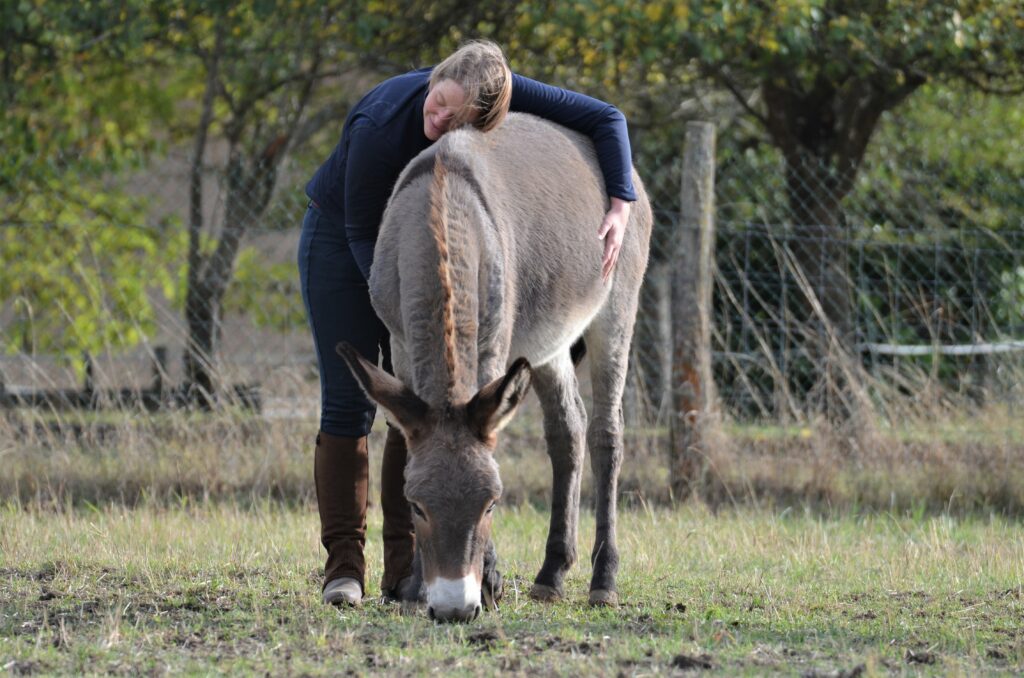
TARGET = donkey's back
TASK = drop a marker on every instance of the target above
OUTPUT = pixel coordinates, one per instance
(538, 194)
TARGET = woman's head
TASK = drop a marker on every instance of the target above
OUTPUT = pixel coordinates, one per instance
(472, 86)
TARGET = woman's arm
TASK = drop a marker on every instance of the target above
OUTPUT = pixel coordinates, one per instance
(602, 122)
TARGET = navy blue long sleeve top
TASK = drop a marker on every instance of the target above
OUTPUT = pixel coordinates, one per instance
(384, 131)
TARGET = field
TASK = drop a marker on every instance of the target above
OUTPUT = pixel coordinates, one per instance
(189, 544)
(221, 587)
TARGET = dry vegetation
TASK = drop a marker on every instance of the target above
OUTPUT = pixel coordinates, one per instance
(953, 460)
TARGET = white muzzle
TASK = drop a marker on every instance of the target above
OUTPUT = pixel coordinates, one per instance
(454, 599)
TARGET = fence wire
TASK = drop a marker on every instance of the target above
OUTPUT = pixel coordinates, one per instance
(919, 285)
(917, 281)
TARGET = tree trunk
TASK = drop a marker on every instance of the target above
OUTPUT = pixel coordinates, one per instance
(823, 128)
(250, 186)
(820, 250)
(199, 317)
(814, 201)
(202, 319)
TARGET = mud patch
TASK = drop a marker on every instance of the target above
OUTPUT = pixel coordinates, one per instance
(919, 657)
(25, 668)
(855, 672)
(701, 662)
(485, 640)
(559, 644)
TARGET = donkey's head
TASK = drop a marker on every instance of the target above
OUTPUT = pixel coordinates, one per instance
(451, 479)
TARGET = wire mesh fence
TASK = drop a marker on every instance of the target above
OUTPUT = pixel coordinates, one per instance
(916, 283)
(910, 284)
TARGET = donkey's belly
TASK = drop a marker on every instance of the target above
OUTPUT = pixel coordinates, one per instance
(539, 337)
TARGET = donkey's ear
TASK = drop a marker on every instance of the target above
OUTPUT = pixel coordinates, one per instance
(494, 405)
(403, 407)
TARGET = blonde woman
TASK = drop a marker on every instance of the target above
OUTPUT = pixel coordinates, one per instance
(389, 126)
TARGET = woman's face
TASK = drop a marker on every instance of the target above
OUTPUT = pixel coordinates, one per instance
(445, 102)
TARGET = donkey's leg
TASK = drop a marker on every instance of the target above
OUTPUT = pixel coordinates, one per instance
(565, 422)
(608, 339)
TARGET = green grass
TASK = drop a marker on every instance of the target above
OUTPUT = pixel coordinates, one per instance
(214, 587)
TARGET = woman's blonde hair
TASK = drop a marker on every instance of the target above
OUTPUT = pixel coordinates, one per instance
(480, 69)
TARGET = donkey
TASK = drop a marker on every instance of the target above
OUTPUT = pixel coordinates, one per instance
(487, 271)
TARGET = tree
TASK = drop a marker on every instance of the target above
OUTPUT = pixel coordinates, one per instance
(253, 68)
(92, 90)
(814, 75)
(260, 65)
(73, 280)
(826, 71)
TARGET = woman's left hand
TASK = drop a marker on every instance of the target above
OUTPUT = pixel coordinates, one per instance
(613, 228)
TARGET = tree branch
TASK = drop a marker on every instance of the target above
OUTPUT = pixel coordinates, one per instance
(311, 125)
(974, 81)
(721, 77)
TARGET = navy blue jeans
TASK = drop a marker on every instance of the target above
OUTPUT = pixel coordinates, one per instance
(337, 301)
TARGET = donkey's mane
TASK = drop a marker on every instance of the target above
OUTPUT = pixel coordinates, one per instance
(439, 229)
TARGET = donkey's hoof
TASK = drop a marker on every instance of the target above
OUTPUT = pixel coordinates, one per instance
(545, 594)
(603, 598)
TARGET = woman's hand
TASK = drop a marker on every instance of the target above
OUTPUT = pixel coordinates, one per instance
(613, 228)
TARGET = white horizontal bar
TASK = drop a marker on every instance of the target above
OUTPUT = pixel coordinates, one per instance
(944, 349)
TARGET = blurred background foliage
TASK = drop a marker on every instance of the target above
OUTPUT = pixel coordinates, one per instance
(879, 93)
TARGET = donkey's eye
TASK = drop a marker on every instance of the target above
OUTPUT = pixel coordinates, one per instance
(417, 510)
(491, 507)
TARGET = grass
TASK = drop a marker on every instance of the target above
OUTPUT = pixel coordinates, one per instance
(217, 587)
(185, 543)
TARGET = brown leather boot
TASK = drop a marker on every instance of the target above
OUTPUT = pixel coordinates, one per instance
(399, 538)
(341, 471)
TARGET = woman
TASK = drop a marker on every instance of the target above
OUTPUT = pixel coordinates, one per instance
(387, 128)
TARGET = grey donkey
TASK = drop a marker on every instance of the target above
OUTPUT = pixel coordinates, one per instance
(487, 272)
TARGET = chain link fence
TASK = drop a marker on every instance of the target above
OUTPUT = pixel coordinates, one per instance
(918, 283)
(914, 286)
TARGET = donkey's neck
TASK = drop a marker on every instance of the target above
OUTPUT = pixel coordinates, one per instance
(442, 312)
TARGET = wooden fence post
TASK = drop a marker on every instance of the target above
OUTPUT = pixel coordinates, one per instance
(692, 281)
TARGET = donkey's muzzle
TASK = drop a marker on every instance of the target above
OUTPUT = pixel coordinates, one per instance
(451, 615)
(453, 600)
